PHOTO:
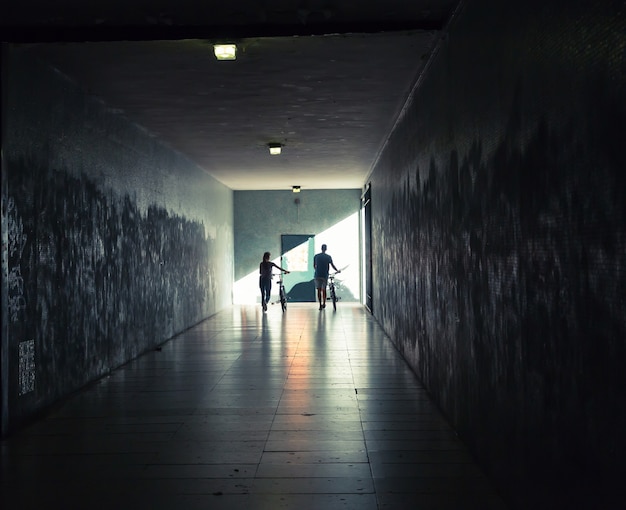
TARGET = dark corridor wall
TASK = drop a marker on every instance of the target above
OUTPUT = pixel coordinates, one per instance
(113, 241)
(499, 238)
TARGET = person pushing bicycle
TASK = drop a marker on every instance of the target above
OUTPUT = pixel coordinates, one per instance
(321, 263)
(265, 278)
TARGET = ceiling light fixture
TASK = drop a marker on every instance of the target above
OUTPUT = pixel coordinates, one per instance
(225, 51)
(275, 148)
(295, 189)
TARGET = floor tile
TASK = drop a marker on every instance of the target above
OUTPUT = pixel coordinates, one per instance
(251, 411)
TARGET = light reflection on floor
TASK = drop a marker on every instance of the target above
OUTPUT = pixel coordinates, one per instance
(301, 410)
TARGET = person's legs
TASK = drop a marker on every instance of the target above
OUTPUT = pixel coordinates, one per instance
(262, 292)
(319, 284)
(266, 287)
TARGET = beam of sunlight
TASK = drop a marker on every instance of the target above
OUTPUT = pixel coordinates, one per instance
(342, 240)
(246, 290)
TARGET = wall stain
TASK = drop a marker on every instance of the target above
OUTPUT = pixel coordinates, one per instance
(101, 282)
(513, 314)
(16, 242)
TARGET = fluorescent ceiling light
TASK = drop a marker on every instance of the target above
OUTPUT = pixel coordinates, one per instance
(225, 51)
(275, 148)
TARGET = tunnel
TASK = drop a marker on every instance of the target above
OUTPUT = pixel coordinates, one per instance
(475, 359)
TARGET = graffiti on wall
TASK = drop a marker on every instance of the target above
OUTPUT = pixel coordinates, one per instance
(16, 243)
(95, 280)
(26, 367)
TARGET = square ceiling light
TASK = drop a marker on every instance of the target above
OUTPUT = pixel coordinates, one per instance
(225, 51)
(275, 148)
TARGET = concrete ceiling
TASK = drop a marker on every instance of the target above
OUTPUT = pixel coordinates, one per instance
(327, 79)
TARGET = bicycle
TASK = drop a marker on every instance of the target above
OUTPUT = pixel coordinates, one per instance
(282, 295)
(331, 290)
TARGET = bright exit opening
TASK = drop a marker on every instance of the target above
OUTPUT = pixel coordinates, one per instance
(342, 240)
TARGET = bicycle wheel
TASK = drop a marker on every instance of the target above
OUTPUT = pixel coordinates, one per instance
(333, 297)
(283, 299)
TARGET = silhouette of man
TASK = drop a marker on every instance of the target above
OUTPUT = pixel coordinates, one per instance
(321, 263)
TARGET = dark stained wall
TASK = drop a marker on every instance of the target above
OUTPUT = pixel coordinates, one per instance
(499, 240)
(114, 243)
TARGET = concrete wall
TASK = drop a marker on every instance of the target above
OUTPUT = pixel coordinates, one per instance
(112, 243)
(261, 217)
(503, 192)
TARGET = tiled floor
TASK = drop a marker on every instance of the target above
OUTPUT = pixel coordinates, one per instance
(251, 410)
